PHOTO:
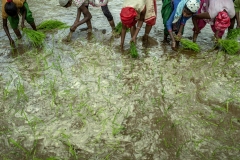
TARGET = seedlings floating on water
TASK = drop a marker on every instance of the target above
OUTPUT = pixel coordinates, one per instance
(49, 25)
(34, 37)
(187, 44)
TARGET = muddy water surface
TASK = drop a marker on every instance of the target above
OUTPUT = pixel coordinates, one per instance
(87, 100)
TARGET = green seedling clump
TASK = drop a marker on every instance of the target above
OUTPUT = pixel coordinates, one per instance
(133, 50)
(187, 44)
(118, 28)
(230, 46)
(35, 37)
(233, 33)
(51, 24)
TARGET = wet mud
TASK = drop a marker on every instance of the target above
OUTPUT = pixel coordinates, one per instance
(87, 99)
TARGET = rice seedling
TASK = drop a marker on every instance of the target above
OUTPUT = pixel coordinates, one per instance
(230, 46)
(18, 145)
(233, 33)
(187, 44)
(34, 37)
(133, 50)
(118, 28)
(21, 95)
(49, 25)
(65, 140)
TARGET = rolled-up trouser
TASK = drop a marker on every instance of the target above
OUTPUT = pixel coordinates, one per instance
(106, 12)
(14, 21)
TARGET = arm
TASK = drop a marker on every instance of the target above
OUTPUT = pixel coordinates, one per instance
(195, 25)
(5, 27)
(179, 35)
(183, 22)
(87, 17)
(139, 25)
(169, 26)
(123, 34)
(24, 11)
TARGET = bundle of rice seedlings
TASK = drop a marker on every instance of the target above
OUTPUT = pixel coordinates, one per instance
(233, 33)
(187, 44)
(51, 24)
(230, 46)
(133, 50)
(118, 28)
(34, 37)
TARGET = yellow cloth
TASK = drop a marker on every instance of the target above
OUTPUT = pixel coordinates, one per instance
(19, 4)
(139, 5)
(150, 10)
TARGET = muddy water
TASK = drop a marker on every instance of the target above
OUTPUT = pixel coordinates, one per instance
(86, 100)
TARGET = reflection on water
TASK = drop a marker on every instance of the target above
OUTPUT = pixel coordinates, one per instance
(88, 99)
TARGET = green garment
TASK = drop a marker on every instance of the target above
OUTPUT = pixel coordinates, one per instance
(237, 5)
(166, 11)
(15, 20)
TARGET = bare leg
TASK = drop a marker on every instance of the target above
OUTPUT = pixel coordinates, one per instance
(238, 20)
(18, 33)
(89, 24)
(33, 26)
(132, 30)
(112, 24)
(145, 36)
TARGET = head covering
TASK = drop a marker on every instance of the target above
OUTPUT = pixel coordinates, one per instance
(63, 2)
(222, 21)
(192, 5)
(128, 16)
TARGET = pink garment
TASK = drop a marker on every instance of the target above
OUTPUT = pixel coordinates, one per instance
(216, 6)
(202, 23)
(222, 21)
(204, 7)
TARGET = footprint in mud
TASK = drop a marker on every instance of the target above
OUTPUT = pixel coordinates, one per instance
(19, 50)
(95, 30)
(149, 42)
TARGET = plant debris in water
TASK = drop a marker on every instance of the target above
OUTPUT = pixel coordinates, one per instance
(233, 33)
(230, 46)
(35, 37)
(187, 44)
(118, 28)
(51, 24)
(133, 50)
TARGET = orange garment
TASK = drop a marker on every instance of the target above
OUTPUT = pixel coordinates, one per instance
(19, 4)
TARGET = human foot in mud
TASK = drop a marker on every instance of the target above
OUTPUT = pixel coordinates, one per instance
(174, 45)
(68, 38)
(89, 36)
(115, 34)
(145, 40)
(165, 39)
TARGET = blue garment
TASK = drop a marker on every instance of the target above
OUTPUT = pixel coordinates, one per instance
(182, 20)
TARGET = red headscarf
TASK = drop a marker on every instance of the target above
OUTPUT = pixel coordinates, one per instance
(222, 21)
(128, 16)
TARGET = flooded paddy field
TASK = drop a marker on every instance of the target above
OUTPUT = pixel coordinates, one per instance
(87, 100)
